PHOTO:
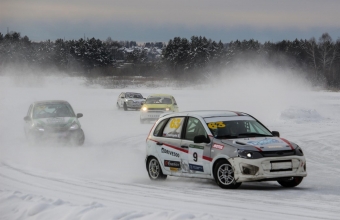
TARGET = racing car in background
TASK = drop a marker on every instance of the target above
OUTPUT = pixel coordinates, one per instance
(155, 105)
(229, 147)
(130, 100)
(53, 120)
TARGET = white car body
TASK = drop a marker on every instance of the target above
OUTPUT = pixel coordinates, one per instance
(172, 141)
(130, 100)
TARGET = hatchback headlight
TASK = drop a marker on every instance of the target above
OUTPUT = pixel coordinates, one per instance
(74, 126)
(145, 109)
(167, 109)
(248, 154)
(39, 127)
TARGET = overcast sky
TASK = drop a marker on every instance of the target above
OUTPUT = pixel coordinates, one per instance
(157, 20)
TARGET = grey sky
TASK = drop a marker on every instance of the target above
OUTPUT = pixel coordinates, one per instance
(157, 20)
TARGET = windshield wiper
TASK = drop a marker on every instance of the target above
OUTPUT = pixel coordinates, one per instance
(253, 134)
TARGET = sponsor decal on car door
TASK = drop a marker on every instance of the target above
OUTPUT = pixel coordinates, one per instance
(169, 149)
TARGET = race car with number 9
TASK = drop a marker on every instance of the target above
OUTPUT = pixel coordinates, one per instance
(229, 147)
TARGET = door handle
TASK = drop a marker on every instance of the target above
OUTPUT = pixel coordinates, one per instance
(184, 146)
(159, 143)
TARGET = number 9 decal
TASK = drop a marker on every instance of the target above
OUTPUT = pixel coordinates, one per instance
(194, 155)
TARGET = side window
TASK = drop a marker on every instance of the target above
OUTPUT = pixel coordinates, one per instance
(157, 131)
(194, 128)
(173, 129)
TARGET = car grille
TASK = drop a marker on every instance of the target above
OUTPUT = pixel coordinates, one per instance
(282, 153)
(56, 129)
(156, 109)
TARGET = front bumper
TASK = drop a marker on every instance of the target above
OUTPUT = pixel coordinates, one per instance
(151, 115)
(268, 168)
(66, 135)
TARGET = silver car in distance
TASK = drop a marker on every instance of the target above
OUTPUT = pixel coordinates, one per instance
(229, 147)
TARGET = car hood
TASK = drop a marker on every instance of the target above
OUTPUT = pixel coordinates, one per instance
(262, 143)
(135, 99)
(158, 105)
(57, 122)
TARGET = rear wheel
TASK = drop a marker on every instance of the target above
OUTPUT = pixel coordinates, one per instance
(125, 107)
(155, 170)
(224, 175)
(290, 182)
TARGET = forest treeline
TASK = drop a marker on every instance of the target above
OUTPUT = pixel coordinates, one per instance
(180, 58)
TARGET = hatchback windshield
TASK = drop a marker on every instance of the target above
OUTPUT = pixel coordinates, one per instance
(158, 100)
(238, 129)
(51, 110)
(134, 95)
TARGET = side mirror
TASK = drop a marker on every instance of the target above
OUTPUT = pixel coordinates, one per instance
(276, 133)
(201, 139)
(27, 118)
(79, 115)
(144, 98)
(175, 103)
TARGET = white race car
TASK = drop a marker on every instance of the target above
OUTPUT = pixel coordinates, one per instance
(130, 100)
(230, 147)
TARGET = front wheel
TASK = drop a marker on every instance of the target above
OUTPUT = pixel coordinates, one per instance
(125, 107)
(290, 182)
(155, 170)
(224, 175)
(118, 107)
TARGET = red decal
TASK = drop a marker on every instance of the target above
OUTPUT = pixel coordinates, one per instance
(177, 148)
(207, 158)
(218, 146)
(258, 148)
(290, 145)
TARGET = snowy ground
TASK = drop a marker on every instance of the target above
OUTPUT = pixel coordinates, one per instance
(106, 178)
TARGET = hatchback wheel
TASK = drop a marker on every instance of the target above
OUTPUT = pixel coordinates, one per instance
(155, 170)
(224, 175)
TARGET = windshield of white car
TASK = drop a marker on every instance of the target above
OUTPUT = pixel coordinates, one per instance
(52, 110)
(133, 95)
(238, 129)
(158, 100)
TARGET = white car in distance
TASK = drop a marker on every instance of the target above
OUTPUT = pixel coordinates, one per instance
(130, 100)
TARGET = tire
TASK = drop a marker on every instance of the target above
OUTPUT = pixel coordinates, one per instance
(154, 169)
(224, 175)
(290, 182)
(78, 139)
(125, 107)
(118, 106)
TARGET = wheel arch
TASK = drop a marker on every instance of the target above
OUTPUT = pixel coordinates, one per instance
(216, 160)
(159, 161)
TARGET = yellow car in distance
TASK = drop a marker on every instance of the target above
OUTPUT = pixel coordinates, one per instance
(155, 105)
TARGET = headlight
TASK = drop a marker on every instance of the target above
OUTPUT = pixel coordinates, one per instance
(144, 108)
(167, 109)
(248, 154)
(39, 127)
(74, 126)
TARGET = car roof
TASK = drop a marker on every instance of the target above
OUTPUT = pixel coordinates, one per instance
(209, 113)
(49, 102)
(160, 95)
